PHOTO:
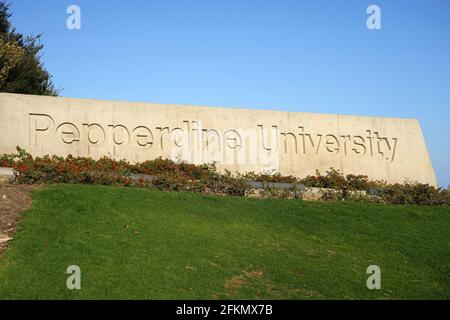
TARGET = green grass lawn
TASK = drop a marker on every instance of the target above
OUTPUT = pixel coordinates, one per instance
(144, 244)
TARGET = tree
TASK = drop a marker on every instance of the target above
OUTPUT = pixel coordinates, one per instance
(20, 68)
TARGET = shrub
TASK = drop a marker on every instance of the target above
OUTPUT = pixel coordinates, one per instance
(332, 195)
(167, 175)
(414, 193)
(332, 179)
(267, 177)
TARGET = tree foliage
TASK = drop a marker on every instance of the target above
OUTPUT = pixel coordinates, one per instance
(21, 70)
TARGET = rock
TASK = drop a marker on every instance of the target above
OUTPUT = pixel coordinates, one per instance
(4, 238)
(316, 194)
(7, 174)
(256, 193)
(145, 177)
(374, 192)
(357, 193)
(276, 185)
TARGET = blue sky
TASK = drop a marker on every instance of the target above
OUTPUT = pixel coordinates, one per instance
(311, 56)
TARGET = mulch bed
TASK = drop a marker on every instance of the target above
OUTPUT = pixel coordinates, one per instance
(14, 199)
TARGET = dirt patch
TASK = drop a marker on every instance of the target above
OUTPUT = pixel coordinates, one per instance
(238, 281)
(254, 274)
(234, 282)
(14, 199)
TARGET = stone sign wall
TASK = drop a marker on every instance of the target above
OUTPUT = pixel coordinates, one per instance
(243, 140)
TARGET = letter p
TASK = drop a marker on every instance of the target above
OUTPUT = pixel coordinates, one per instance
(40, 125)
